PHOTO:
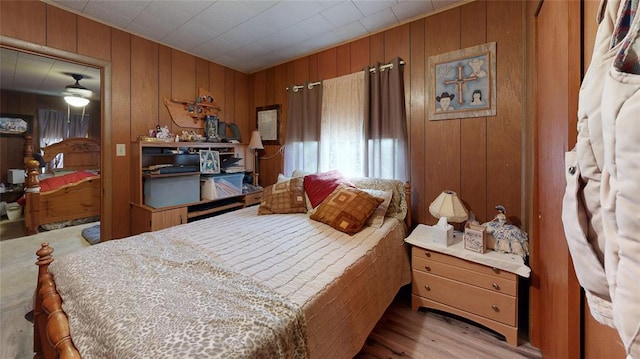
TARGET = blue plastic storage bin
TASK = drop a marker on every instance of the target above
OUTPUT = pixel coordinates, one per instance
(171, 191)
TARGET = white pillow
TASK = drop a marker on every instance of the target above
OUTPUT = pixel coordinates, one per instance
(300, 173)
(283, 178)
(377, 218)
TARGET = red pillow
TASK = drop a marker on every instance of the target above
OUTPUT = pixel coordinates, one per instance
(320, 185)
(51, 183)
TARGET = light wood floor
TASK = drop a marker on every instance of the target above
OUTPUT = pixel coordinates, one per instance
(428, 334)
(401, 333)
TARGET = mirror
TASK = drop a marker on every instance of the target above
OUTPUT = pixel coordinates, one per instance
(31, 82)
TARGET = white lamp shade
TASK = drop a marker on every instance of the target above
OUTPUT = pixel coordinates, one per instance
(256, 141)
(448, 205)
(76, 101)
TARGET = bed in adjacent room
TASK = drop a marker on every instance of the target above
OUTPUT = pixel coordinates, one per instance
(66, 194)
(243, 284)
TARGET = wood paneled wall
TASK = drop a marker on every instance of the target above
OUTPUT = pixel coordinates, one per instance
(480, 158)
(143, 73)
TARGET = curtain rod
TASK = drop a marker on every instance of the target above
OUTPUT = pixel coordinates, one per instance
(373, 69)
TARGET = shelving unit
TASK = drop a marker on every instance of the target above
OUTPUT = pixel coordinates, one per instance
(180, 203)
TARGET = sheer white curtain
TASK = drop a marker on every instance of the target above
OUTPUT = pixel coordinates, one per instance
(342, 132)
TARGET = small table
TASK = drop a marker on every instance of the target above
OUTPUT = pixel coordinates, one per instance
(479, 287)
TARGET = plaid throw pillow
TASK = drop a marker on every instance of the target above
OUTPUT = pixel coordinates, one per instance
(346, 209)
(284, 197)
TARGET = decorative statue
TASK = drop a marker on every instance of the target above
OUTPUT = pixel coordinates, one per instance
(508, 237)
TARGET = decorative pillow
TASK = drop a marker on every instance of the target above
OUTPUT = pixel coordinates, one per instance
(283, 197)
(300, 173)
(282, 178)
(377, 218)
(320, 185)
(398, 206)
(346, 209)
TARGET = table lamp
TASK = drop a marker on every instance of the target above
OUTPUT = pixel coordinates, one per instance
(255, 144)
(448, 208)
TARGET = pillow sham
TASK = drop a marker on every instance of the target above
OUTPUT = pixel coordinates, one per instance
(283, 197)
(282, 178)
(398, 206)
(377, 218)
(346, 209)
(320, 185)
(300, 173)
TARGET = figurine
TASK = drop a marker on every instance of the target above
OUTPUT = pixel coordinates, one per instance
(508, 237)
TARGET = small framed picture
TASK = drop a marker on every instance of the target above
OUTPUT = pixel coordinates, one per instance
(209, 161)
(474, 238)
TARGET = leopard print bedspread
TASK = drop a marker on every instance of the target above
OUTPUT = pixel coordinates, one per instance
(201, 310)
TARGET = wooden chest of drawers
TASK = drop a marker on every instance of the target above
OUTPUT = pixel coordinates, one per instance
(252, 198)
(486, 295)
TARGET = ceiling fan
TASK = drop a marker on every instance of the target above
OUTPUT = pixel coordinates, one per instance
(77, 94)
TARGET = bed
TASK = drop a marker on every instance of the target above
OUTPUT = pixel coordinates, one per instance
(331, 288)
(62, 195)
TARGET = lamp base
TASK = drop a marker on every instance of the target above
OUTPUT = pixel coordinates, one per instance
(256, 169)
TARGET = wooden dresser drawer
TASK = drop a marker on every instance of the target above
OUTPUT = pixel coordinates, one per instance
(252, 198)
(488, 304)
(493, 282)
(461, 263)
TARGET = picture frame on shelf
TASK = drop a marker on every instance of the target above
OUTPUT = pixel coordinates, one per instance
(209, 161)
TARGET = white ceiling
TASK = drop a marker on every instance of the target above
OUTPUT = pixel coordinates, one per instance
(246, 35)
(24, 72)
(251, 35)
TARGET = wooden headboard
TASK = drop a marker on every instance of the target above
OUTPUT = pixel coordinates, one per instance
(79, 153)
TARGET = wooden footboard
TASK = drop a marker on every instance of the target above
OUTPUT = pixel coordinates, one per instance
(51, 333)
(73, 201)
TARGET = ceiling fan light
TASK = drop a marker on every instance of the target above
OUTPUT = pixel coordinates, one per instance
(79, 91)
(76, 101)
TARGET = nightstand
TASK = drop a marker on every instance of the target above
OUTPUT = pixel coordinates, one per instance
(479, 287)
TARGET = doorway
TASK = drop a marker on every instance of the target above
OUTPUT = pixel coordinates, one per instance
(102, 74)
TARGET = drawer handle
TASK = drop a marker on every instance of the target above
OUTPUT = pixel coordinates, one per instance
(495, 270)
(426, 286)
(495, 308)
(427, 268)
(495, 286)
(428, 254)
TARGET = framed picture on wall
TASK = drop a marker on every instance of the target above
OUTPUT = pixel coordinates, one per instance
(463, 83)
(268, 123)
(14, 124)
(209, 161)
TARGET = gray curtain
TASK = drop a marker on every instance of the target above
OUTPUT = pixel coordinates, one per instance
(77, 126)
(53, 127)
(304, 106)
(386, 127)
